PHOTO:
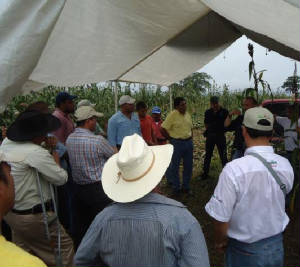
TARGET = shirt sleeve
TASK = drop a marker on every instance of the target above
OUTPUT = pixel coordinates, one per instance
(167, 124)
(221, 204)
(43, 161)
(105, 147)
(112, 132)
(193, 248)
(89, 249)
(280, 120)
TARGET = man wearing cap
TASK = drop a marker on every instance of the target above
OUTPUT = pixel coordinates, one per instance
(142, 227)
(86, 102)
(32, 198)
(248, 205)
(64, 107)
(124, 123)
(10, 254)
(87, 154)
(235, 125)
(214, 119)
(177, 127)
(156, 125)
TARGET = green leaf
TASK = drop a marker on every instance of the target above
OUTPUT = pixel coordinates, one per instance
(251, 65)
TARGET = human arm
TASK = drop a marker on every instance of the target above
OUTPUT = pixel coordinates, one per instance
(154, 139)
(48, 165)
(105, 148)
(165, 133)
(221, 205)
(112, 132)
(89, 250)
(227, 121)
(193, 248)
(220, 235)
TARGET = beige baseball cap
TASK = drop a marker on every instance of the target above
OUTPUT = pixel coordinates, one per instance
(126, 99)
(85, 102)
(259, 118)
(86, 112)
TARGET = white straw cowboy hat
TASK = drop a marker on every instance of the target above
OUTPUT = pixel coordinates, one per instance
(136, 170)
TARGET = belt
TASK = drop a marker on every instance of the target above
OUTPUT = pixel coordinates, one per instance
(182, 139)
(35, 209)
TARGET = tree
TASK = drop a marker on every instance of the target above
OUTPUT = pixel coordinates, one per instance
(292, 84)
(198, 82)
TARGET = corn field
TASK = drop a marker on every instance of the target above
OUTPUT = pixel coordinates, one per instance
(103, 97)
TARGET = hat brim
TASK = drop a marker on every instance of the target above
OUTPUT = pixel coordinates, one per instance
(16, 133)
(122, 191)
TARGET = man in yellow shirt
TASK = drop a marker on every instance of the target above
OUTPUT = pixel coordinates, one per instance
(10, 254)
(178, 129)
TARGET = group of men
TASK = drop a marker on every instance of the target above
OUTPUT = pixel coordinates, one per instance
(117, 216)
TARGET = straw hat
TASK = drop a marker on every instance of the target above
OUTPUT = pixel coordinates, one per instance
(136, 170)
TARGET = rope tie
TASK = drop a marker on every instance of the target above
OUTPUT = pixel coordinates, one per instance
(139, 177)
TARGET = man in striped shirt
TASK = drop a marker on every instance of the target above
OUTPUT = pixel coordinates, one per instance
(87, 154)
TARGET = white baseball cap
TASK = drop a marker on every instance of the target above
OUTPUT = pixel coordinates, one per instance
(86, 112)
(259, 118)
(136, 170)
(126, 99)
(85, 102)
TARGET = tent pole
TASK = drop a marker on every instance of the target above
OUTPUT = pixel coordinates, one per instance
(116, 95)
(171, 100)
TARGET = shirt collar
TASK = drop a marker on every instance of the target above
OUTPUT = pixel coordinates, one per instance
(83, 130)
(159, 199)
(259, 149)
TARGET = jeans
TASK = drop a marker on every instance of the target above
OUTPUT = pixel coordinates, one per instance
(211, 141)
(266, 252)
(237, 154)
(183, 149)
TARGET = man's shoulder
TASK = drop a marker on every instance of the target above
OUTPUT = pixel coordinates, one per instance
(15, 256)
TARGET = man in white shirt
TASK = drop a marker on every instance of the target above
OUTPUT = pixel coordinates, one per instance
(248, 205)
(290, 133)
(24, 137)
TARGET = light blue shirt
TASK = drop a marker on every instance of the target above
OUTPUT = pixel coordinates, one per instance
(120, 126)
(152, 231)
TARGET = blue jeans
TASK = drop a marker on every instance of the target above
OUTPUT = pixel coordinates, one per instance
(237, 154)
(183, 149)
(265, 252)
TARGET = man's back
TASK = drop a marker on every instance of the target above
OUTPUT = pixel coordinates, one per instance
(152, 231)
(248, 196)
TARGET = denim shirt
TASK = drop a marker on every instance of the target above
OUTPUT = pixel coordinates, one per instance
(151, 231)
(120, 126)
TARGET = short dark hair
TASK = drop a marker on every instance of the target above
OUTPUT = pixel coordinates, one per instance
(254, 101)
(81, 123)
(214, 100)
(177, 101)
(3, 177)
(140, 105)
(253, 133)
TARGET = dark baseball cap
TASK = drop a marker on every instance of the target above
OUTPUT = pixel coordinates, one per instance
(63, 96)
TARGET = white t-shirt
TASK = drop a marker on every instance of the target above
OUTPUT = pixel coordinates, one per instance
(249, 198)
(290, 133)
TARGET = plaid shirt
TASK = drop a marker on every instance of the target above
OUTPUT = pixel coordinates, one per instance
(87, 154)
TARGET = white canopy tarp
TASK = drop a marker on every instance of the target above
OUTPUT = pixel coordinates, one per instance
(74, 42)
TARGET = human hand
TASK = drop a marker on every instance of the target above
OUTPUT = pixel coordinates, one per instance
(3, 130)
(221, 246)
(236, 112)
(51, 142)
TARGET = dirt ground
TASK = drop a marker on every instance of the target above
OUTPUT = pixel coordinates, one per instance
(203, 190)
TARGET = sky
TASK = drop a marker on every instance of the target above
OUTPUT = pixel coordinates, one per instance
(231, 66)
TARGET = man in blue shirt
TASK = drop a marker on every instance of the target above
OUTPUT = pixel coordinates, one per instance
(142, 227)
(124, 123)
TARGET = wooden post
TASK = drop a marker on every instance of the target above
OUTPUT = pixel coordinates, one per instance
(116, 95)
(171, 98)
